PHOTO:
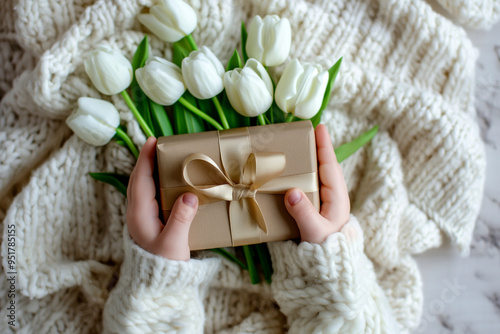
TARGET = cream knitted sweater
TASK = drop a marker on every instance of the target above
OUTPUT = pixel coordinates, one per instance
(406, 68)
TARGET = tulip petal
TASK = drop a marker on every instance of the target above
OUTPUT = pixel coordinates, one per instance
(287, 86)
(163, 32)
(91, 130)
(307, 108)
(201, 78)
(278, 50)
(182, 16)
(95, 121)
(259, 69)
(102, 110)
(115, 72)
(213, 59)
(254, 45)
(230, 80)
(254, 95)
(94, 75)
(161, 81)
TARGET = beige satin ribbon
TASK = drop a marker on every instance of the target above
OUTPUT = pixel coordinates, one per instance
(245, 174)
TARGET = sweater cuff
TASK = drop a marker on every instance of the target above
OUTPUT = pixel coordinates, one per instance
(319, 262)
(146, 270)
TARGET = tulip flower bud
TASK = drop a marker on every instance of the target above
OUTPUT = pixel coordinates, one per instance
(202, 73)
(301, 89)
(95, 121)
(269, 40)
(109, 70)
(170, 20)
(249, 89)
(161, 80)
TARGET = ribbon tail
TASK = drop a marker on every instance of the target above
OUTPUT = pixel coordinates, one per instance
(244, 229)
(256, 213)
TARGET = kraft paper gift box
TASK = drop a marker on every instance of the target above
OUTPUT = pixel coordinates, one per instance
(240, 177)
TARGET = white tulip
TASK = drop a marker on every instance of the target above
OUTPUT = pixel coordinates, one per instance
(249, 89)
(95, 121)
(269, 40)
(301, 89)
(202, 73)
(109, 70)
(161, 80)
(170, 20)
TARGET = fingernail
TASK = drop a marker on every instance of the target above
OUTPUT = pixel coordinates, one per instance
(190, 199)
(294, 197)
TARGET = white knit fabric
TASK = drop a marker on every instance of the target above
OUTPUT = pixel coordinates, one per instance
(406, 68)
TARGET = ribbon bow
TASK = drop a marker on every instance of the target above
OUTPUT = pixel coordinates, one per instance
(259, 169)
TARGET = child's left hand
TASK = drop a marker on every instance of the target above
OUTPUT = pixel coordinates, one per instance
(147, 230)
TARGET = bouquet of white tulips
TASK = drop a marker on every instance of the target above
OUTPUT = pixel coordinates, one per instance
(202, 94)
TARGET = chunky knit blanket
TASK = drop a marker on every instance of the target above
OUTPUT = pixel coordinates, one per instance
(406, 68)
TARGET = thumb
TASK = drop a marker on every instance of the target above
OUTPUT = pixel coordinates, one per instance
(173, 240)
(310, 223)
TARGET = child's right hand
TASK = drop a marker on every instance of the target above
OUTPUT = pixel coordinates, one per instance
(335, 210)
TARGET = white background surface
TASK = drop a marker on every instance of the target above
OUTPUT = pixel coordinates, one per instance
(462, 295)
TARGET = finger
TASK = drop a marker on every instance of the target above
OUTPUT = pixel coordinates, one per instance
(310, 223)
(143, 189)
(173, 240)
(326, 157)
(142, 210)
(334, 195)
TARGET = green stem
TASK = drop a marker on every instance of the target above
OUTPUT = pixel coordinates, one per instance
(191, 42)
(222, 116)
(200, 113)
(137, 115)
(123, 135)
(230, 257)
(252, 269)
(265, 261)
(289, 118)
(261, 119)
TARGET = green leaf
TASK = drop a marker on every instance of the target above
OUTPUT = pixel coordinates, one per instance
(332, 75)
(184, 120)
(244, 36)
(252, 269)
(207, 106)
(275, 114)
(140, 99)
(230, 257)
(234, 62)
(118, 181)
(344, 151)
(141, 102)
(234, 119)
(161, 123)
(141, 54)
(265, 261)
(118, 139)
(179, 52)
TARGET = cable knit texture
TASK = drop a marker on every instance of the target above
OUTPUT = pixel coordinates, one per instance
(406, 68)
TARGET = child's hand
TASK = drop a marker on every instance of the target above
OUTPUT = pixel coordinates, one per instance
(335, 208)
(147, 230)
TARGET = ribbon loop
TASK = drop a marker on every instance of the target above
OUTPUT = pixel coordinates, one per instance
(259, 169)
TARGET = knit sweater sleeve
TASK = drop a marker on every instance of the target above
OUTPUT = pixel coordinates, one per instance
(330, 287)
(157, 295)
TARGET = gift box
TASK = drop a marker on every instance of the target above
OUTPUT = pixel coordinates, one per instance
(240, 177)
